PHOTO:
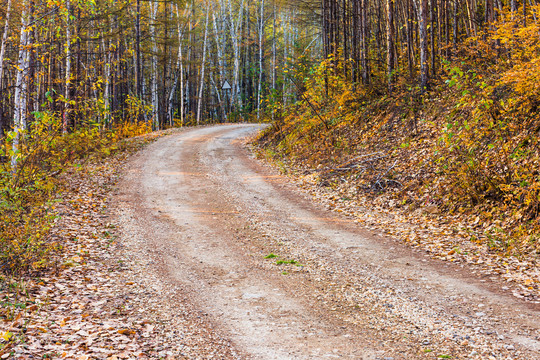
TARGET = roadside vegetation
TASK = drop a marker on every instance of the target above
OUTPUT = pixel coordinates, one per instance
(418, 104)
(465, 145)
(77, 77)
(30, 190)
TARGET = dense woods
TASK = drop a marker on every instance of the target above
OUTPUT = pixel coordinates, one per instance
(76, 76)
(163, 62)
(426, 105)
(413, 126)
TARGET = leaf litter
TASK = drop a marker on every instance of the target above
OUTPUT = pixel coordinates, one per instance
(97, 304)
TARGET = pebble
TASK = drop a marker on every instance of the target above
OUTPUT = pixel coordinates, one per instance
(509, 347)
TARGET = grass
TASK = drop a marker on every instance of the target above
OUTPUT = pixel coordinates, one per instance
(292, 262)
(282, 261)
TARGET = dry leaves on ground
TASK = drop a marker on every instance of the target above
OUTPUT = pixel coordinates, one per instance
(96, 305)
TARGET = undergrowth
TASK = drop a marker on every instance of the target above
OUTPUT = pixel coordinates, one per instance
(29, 191)
(469, 145)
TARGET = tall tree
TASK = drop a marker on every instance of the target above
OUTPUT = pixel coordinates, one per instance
(67, 81)
(390, 42)
(423, 20)
(203, 65)
(21, 84)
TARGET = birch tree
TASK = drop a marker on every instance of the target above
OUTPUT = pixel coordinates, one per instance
(154, 84)
(203, 64)
(67, 80)
(234, 30)
(262, 21)
(178, 74)
(21, 85)
(4, 40)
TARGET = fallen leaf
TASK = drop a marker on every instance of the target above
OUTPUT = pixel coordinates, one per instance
(6, 336)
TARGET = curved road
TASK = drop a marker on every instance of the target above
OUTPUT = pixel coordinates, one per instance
(212, 218)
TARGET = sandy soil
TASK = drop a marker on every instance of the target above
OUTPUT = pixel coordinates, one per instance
(279, 277)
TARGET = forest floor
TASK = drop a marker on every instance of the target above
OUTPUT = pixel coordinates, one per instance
(192, 248)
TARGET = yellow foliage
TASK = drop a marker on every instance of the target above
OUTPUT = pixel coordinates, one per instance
(471, 145)
(27, 192)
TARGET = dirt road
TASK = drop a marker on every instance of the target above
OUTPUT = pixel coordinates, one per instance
(281, 278)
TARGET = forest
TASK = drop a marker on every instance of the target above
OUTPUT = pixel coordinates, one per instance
(447, 90)
(229, 178)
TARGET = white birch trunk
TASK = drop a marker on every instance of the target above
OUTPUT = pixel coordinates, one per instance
(178, 73)
(219, 41)
(286, 31)
(189, 66)
(154, 86)
(21, 86)
(182, 95)
(220, 62)
(261, 34)
(107, 91)
(4, 41)
(201, 84)
(235, 26)
(273, 58)
(423, 14)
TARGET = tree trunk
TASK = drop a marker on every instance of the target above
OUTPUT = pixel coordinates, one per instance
(261, 69)
(2, 54)
(138, 65)
(68, 69)
(21, 85)
(201, 84)
(274, 64)
(390, 42)
(456, 21)
(432, 36)
(154, 85)
(219, 41)
(4, 41)
(178, 73)
(365, 41)
(410, 43)
(234, 29)
(424, 71)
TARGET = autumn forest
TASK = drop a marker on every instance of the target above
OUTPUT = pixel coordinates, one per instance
(445, 92)
(269, 179)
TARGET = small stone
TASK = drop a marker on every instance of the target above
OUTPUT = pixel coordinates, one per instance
(480, 314)
(509, 347)
(500, 337)
(473, 353)
(426, 342)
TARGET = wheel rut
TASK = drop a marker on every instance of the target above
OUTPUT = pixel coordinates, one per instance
(210, 216)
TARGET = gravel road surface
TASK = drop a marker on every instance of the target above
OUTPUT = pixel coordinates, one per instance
(279, 277)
